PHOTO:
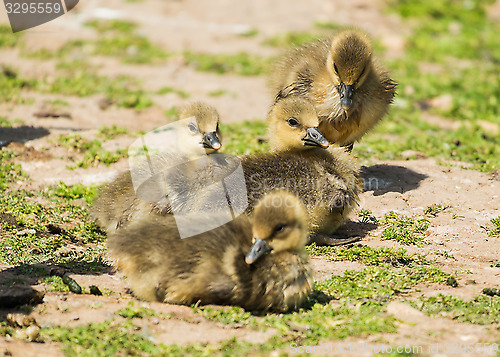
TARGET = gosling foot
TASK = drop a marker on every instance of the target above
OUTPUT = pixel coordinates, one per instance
(349, 147)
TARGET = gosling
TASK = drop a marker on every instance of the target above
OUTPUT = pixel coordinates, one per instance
(259, 264)
(326, 180)
(117, 202)
(350, 90)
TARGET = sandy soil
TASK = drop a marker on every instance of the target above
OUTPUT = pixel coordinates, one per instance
(407, 187)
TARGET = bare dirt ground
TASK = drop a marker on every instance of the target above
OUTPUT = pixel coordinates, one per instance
(406, 187)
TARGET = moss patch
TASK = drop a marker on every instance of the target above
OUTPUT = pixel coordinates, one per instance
(408, 231)
(482, 310)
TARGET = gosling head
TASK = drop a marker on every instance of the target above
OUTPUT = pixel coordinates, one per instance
(205, 124)
(349, 63)
(279, 225)
(293, 125)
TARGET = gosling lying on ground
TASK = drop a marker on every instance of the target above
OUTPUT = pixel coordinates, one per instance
(258, 263)
(326, 180)
(117, 202)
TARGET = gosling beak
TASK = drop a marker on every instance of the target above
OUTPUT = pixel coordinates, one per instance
(346, 92)
(315, 138)
(259, 249)
(211, 141)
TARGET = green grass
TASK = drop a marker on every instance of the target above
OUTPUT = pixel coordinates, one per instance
(331, 321)
(5, 329)
(334, 321)
(380, 282)
(7, 38)
(74, 192)
(107, 338)
(434, 210)
(117, 38)
(292, 39)
(324, 30)
(172, 113)
(359, 312)
(458, 41)
(241, 63)
(470, 143)
(481, 310)
(11, 86)
(118, 26)
(450, 28)
(218, 93)
(36, 224)
(495, 231)
(79, 78)
(129, 48)
(132, 311)
(368, 255)
(251, 32)
(231, 315)
(244, 138)
(4, 122)
(457, 38)
(470, 101)
(108, 133)
(407, 231)
(10, 172)
(112, 338)
(367, 217)
(93, 153)
(331, 26)
(357, 309)
(55, 283)
(122, 91)
(73, 48)
(167, 90)
(57, 102)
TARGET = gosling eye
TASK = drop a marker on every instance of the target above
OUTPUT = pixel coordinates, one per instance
(361, 74)
(193, 128)
(279, 228)
(336, 69)
(293, 122)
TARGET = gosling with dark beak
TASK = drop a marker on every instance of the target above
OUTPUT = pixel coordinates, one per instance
(346, 92)
(350, 90)
(315, 138)
(210, 268)
(259, 249)
(325, 179)
(293, 126)
(211, 141)
(117, 203)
